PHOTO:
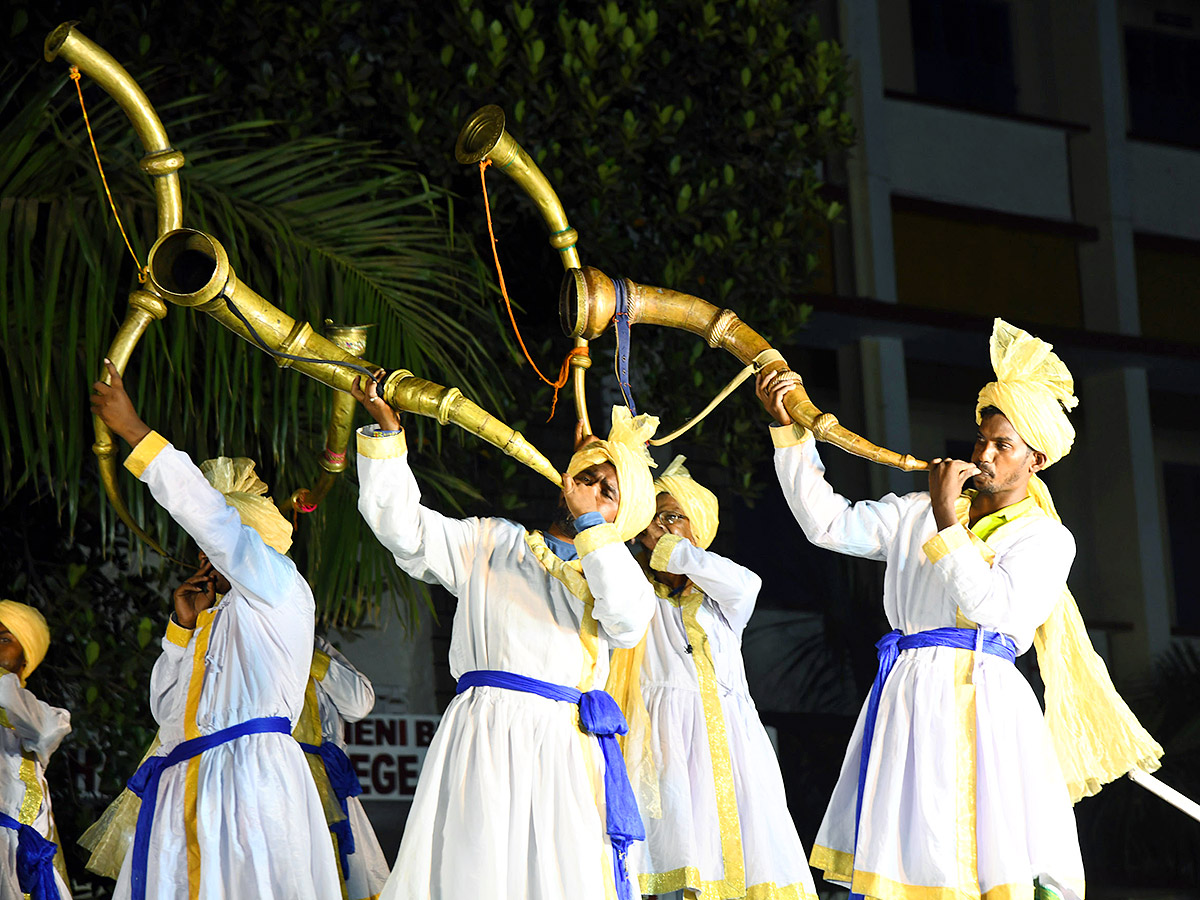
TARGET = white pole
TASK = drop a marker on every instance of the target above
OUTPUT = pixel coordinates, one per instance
(1166, 792)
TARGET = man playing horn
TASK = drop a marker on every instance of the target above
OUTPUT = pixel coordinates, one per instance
(523, 792)
(717, 821)
(30, 730)
(954, 781)
(228, 805)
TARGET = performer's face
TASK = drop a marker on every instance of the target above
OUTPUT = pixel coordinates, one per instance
(603, 478)
(670, 518)
(12, 654)
(1004, 459)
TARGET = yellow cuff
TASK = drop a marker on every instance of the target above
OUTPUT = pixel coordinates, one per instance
(596, 537)
(789, 435)
(320, 665)
(382, 446)
(176, 633)
(144, 453)
(946, 542)
(662, 551)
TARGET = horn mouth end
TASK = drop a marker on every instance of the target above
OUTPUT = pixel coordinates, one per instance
(188, 267)
(480, 135)
(56, 38)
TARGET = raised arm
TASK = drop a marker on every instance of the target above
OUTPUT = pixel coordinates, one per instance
(733, 587)
(40, 726)
(348, 689)
(235, 550)
(624, 600)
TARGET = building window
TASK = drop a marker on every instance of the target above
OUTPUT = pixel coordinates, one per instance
(1181, 487)
(1164, 85)
(963, 54)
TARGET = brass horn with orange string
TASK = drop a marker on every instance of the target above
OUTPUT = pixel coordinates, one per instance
(190, 268)
(587, 300)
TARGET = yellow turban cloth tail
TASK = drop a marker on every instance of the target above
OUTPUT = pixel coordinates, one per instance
(1096, 736)
(246, 492)
(29, 627)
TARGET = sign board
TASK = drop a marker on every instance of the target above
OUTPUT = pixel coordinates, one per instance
(387, 753)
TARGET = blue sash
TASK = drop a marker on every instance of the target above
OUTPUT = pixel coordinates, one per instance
(345, 785)
(889, 647)
(145, 781)
(35, 861)
(598, 715)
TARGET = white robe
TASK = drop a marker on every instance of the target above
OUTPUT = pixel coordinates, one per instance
(963, 789)
(510, 802)
(254, 823)
(731, 835)
(30, 730)
(344, 694)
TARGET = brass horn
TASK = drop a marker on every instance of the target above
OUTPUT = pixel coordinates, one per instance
(587, 303)
(484, 137)
(191, 268)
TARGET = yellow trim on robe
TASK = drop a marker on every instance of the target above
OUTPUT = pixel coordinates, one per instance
(319, 667)
(191, 729)
(177, 634)
(837, 866)
(662, 551)
(382, 446)
(946, 542)
(734, 882)
(594, 538)
(966, 778)
(784, 436)
(31, 801)
(679, 879)
(144, 453)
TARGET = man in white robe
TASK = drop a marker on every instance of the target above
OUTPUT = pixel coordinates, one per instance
(512, 800)
(228, 807)
(953, 783)
(30, 730)
(718, 826)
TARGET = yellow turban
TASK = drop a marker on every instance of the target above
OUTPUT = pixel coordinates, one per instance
(1096, 737)
(698, 502)
(626, 450)
(1033, 389)
(246, 492)
(29, 627)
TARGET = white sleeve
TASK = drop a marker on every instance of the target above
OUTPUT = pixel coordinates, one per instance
(624, 601)
(1019, 590)
(348, 689)
(732, 587)
(266, 577)
(828, 519)
(40, 726)
(425, 544)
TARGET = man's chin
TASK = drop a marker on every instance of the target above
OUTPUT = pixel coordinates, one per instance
(984, 485)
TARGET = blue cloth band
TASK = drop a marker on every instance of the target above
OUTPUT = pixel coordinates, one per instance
(621, 318)
(145, 781)
(35, 861)
(588, 520)
(345, 785)
(598, 715)
(889, 647)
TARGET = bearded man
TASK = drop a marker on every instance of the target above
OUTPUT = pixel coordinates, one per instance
(954, 784)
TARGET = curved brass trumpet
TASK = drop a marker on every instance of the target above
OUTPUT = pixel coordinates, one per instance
(190, 268)
(484, 137)
(587, 302)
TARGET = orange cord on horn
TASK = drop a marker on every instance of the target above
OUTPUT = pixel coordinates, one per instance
(565, 371)
(143, 271)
